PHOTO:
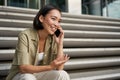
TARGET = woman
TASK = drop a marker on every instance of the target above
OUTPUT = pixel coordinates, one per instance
(39, 52)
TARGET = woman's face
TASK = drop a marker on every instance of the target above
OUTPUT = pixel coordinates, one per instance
(51, 21)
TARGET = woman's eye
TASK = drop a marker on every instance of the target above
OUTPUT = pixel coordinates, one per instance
(53, 19)
(59, 21)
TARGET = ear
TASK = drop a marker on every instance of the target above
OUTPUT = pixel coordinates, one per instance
(41, 18)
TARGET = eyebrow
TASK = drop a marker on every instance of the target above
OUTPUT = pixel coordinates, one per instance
(56, 17)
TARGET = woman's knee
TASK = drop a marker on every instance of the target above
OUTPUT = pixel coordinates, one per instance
(62, 75)
(20, 76)
(28, 77)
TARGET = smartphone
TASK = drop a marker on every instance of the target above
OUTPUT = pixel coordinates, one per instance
(57, 32)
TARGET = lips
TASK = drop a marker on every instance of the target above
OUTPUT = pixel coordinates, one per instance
(53, 29)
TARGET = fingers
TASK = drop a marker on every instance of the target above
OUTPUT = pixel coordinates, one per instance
(62, 59)
(66, 56)
(61, 30)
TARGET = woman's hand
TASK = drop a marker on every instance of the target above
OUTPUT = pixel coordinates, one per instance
(60, 60)
(60, 38)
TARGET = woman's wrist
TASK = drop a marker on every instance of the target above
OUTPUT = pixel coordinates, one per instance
(60, 45)
(50, 67)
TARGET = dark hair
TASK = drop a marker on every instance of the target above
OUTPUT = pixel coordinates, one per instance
(43, 11)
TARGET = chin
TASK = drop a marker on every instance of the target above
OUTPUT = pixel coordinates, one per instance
(51, 33)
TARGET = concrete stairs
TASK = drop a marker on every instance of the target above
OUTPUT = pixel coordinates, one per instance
(92, 42)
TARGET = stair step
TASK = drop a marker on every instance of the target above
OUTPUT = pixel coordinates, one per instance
(10, 32)
(67, 26)
(17, 16)
(4, 68)
(34, 11)
(82, 42)
(84, 21)
(69, 42)
(89, 27)
(114, 76)
(23, 16)
(89, 52)
(6, 31)
(108, 73)
(92, 62)
(90, 17)
(18, 10)
(91, 34)
(8, 42)
(65, 20)
(78, 64)
(7, 54)
(15, 23)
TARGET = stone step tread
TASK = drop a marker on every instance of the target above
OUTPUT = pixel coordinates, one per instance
(5, 65)
(18, 10)
(16, 14)
(32, 16)
(92, 62)
(16, 23)
(70, 27)
(89, 27)
(93, 74)
(6, 51)
(34, 11)
(7, 54)
(79, 63)
(13, 20)
(6, 31)
(13, 29)
(71, 20)
(68, 39)
(69, 43)
(89, 17)
(70, 49)
(88, 21)
(107, 73)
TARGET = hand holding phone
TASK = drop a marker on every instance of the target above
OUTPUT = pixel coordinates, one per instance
(59, 36)
(57, 32)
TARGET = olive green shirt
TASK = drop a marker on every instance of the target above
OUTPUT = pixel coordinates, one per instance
(27, 51)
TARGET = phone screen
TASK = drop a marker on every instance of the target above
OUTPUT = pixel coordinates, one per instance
(57, 32)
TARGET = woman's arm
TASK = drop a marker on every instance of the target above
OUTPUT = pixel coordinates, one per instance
(34, 69)
(61, 56)
(55, 64)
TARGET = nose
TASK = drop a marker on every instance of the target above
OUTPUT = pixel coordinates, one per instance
(57, 24)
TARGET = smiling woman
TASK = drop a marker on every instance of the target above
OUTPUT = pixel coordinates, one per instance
(39, 52)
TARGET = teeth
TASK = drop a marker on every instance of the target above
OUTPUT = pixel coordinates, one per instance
(53, 28)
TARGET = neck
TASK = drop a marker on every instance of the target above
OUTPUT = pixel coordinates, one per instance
(42, 34)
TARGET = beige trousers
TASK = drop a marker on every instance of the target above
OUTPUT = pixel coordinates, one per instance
(46, 75)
